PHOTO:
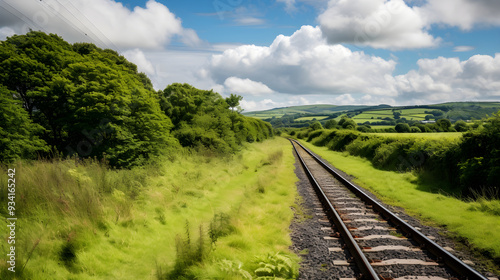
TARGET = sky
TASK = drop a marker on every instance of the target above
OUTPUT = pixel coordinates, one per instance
(279, 53)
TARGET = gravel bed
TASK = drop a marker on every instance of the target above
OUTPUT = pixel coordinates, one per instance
(308, 242)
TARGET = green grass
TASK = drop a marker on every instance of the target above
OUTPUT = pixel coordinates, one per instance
(416, 114)
(310, 118)
(88, 222)
(478, 222)
(382, 126)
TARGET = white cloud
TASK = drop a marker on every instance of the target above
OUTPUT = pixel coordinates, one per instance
(249, 20)
(137, 57)
(105, 22)
(465, 14)
(246, 86)
(463, 48)
(6, 32)
(449, 79)
(389, 24)
(345, 99)
(259, 105)
(289, 5)
(395, 25)
(304, 64)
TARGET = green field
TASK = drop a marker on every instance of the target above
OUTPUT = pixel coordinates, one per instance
(318, 109)
(417, 114)
(310, 118)
(382, 126)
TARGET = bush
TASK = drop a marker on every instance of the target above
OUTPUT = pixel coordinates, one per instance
(315, 125)
(402, 127)
(480, 157)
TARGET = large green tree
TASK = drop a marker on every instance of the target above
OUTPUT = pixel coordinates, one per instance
(18, 135)
(90, 101)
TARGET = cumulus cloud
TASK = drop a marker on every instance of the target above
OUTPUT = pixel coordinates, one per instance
(304, 64)
(395, 25)
(465, 14)
(137, 57)
(259, 105)
(104, 22)
(449, 79)
(246, 86)
(389, 24)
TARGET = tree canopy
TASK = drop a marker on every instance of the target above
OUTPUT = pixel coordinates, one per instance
(80, 99)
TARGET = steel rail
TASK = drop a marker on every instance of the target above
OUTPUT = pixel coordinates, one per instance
(367, 271)
(461, 268)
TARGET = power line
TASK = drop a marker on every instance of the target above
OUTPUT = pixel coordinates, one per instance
(55, 13)
(95, 27)
(21, 16)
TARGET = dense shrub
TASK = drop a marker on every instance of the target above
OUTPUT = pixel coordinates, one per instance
(480, 157)
(202, 118)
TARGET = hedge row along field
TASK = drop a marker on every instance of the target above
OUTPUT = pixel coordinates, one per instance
(470, 165)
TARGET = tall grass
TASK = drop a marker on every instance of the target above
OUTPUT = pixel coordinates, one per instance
(83, 220)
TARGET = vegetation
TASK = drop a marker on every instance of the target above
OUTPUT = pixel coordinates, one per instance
(474, 221)
(105, 108)
(468, 164)
(195, 216)
(382, 118)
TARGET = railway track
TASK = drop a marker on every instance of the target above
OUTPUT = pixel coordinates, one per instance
(369, 239)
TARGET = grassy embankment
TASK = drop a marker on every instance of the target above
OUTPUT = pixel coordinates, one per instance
(477, 221)
(88, 222)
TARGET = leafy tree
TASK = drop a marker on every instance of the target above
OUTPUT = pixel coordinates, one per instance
(347, 123)
(330, 124)
(89, 101)
(402, 127)
(18, 135)
(233, 101)
(444, 124)
(202, 118)
(315, 125)
(480, 157)
(461, 126)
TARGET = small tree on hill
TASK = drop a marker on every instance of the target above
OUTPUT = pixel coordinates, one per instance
(233, 101)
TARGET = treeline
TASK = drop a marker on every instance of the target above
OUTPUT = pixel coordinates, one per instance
(64, 99)
(442, 125)
(470, 165)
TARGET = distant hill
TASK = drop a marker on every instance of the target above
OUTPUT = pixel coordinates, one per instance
(300, 116)
(317, 109)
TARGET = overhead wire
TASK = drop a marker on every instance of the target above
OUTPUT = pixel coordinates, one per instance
(55, 13)
(95, 27)
(21, 16)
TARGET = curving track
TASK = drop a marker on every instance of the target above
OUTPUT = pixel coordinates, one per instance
(369, 239)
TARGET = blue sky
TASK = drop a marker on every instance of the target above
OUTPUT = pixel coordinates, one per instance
(279, 53)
